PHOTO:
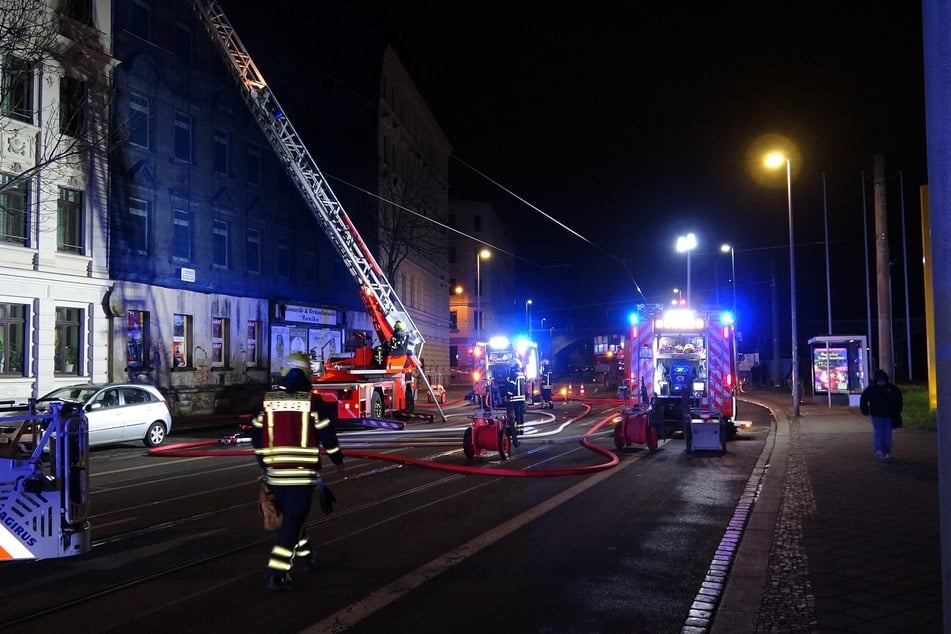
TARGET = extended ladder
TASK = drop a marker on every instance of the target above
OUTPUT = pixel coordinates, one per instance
(382, 303)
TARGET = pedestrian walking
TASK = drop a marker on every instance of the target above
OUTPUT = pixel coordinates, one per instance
(882, 401)
(287, 434)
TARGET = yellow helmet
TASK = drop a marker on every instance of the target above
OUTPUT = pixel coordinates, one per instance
(297, 360)
(398, 325)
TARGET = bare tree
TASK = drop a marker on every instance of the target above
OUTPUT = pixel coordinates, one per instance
(60, 43)
(409, 219)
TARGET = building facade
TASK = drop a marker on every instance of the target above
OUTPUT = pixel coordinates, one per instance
(54, 243)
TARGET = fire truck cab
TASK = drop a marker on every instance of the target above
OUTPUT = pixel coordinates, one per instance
(493, 361)
(685, 359)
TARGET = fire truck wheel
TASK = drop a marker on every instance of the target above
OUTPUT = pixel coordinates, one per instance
(376, 405)
(618, 439)
(652, 438)
(155, 436)
(467, 446)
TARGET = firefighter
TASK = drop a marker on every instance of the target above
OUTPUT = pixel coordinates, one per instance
(399, 340)
(546, 385)
(515, 396)
(287, 434)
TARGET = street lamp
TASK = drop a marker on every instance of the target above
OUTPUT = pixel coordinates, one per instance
(728, 248)
(484, 254)
(686, 244)
(528, 316)
(775, 160)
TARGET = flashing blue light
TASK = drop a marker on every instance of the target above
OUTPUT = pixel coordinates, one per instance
(726, 318)
(634, 319)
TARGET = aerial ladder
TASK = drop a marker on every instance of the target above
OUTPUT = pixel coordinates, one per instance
(382, 303)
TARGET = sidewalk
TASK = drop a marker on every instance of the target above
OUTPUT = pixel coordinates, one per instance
(837, 540)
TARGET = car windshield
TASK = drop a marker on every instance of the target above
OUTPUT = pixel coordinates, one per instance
(78, 394)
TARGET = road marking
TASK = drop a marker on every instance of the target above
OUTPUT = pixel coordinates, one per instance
(354, 613)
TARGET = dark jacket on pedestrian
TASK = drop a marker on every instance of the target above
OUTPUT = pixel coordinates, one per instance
(881, 399)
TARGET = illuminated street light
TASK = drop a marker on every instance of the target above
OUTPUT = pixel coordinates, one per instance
(728, 248)
(775, 160)
(528, 316)
(484, 254)
(686, 244)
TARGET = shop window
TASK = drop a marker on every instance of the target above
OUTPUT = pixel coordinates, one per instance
(12, 339)
(137, 341)
(181, 341)
(67, 357)
(220, 348)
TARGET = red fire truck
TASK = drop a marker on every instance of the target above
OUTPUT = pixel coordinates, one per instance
(684, 361)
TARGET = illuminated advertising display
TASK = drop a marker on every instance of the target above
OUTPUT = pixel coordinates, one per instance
(830, 366)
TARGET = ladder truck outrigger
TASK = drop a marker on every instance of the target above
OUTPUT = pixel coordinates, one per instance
(682, 366)
(368, 384)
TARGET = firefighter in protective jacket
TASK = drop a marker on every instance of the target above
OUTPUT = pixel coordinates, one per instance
(546, 385)
(515, 396)
(287, 434)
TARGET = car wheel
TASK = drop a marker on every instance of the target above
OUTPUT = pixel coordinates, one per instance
(155, 436)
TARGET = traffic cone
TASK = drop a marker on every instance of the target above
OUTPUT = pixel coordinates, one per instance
(582, 389)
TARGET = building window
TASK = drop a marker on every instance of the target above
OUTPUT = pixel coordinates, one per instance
(453, 320)
(251, 345)
(219, 244)
(254, 250)
(17, 90)
(283, 258)
(183, 137)
(12, 338)
(140, 117)
(69, 221)
(13, 205)
(137, 341)
(220, 353)
(181, 235)
(140, 18)
(138, 239)
(72, 106)
(254, 165)
(183, 41)
(67, 357)
(181, 341)
(79, 10)
(222, 151)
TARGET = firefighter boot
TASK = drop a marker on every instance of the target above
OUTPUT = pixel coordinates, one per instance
(278, 582)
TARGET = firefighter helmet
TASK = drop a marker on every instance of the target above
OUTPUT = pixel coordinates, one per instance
(297, 360)
(398, 325)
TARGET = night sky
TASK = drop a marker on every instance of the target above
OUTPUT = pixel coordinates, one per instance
(634, 123)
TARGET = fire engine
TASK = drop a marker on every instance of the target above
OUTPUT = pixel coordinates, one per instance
(609, 361)
(684, 361)
(493, 360)
(369, 383)
(44, 483)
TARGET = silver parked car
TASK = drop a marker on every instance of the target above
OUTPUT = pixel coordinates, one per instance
(118, 412)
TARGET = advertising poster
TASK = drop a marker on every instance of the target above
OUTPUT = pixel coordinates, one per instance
(830, 367)
(324, 343)
(280, 347)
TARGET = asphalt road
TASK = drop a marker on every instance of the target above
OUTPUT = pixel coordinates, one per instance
(178, 545)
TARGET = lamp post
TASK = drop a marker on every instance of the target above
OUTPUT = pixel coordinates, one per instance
(484, 254)
(775, 160)
(728, 248)
(686, 244)
(528, 316)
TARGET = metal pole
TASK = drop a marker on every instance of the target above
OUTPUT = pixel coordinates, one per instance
(688, 278)
(478, 297)
(904, 251)
(794, 377)
(733, 272)
(825, 216)
(868, 289)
